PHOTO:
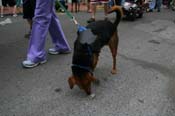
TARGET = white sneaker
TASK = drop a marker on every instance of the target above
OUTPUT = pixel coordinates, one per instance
(30, 64)
(2, 16)
(15, 15)
(53, 51)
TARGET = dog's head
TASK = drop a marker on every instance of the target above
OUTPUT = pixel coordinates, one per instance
(83, 83)
(82, 61)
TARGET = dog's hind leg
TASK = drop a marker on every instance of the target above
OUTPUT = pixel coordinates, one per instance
(113, 45)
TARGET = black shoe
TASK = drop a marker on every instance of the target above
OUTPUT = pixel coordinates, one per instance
(158, 10)
(91, 20)
(150, 10)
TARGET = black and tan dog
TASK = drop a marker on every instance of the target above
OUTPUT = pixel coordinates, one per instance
(87, 48)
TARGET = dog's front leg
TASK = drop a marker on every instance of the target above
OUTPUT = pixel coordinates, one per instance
(71, 81)
(94, 79)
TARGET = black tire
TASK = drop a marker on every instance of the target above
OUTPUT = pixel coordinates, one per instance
(132, 18)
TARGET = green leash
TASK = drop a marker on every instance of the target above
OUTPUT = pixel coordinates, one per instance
(68, 13)
(80, 28)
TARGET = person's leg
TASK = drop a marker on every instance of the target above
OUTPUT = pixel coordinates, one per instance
(29, 21)
(4, 4)
(28, 14)
(18, 6)
(1, 6)
(79, 2)
(88, 6)
(14, 11)
(12, 3)
(159, 2)
(93, 9)
(122, 2)
(152, 5)
(2, 11)
(32, 11)
(72, 5)
(41, 22)
(105, 3)
(106, 10)
(57, 35)
(168, 5)
(76, 6)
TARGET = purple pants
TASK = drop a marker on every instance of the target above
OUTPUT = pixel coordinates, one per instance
(45, 20)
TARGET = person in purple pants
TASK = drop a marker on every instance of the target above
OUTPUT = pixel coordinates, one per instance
(45, 20)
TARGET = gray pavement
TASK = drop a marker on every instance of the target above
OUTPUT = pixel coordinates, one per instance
(144, 85)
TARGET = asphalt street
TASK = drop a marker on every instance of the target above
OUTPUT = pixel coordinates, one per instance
(143, 86)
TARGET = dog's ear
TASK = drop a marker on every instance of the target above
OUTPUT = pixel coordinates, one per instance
(71, 82)
(93, 79)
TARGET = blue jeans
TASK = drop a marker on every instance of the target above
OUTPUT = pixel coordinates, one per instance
(158, 3)
(152, 4)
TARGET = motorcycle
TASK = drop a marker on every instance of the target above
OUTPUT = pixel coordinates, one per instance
(172, 5)
(132, 9)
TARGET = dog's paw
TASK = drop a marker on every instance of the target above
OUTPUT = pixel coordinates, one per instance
(92, 96)
(114, 71)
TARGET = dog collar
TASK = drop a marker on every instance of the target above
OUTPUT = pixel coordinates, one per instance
(83, 67)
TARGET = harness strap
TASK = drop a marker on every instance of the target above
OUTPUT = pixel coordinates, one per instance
(89, 50)
(83, 67)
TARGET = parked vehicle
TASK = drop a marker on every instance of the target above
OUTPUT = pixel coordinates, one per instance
(172, 5)
(132, 9)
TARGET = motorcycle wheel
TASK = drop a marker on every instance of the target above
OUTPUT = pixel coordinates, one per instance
(132, 18)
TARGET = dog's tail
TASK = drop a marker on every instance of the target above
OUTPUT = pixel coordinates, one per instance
(119, 13)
